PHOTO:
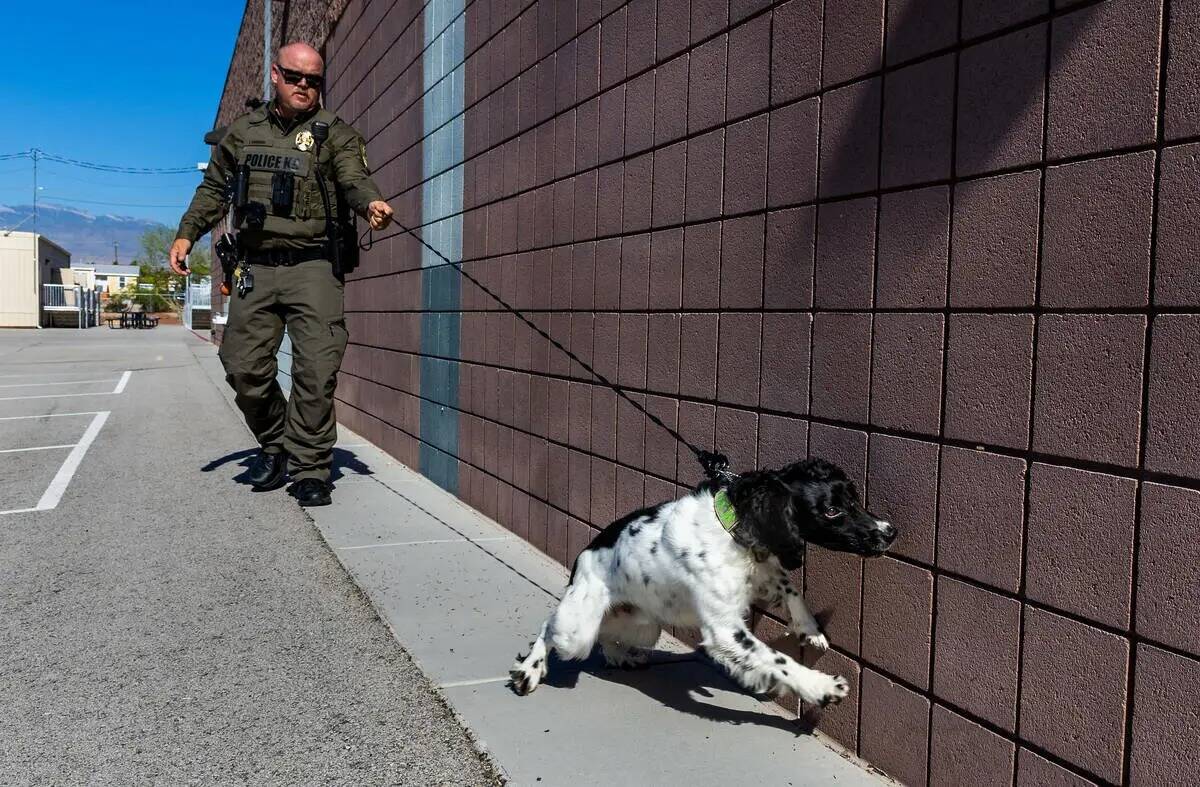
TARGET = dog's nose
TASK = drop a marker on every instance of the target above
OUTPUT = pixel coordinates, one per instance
(886, 530)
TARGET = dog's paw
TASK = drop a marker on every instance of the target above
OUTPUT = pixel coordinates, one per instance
(817, 640)
(524, 678)
(823, 690)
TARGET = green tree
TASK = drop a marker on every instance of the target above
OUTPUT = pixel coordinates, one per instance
(155, 246)
(200, 261)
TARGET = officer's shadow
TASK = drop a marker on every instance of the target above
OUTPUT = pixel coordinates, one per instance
(345, 463)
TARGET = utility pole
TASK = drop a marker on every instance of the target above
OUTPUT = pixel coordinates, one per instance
(115, 260)
(266, 51)
(35, 152)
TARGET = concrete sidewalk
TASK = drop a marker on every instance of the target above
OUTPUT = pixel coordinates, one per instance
(463, 596)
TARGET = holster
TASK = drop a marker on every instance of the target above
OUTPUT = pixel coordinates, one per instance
(226, 249)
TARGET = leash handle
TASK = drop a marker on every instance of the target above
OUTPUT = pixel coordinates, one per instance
(716, 465)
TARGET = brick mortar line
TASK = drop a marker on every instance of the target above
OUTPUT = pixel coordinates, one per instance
(866, 483)
(1145, 379)
(720, 262)
(934, 700)
(937, 508)
(1029, 456)
(363, 47)
(989, 726)
(927, 693)
(359, 47)
(1022, 586)
(1144, 425)
(404, 73)
(577, 102)
(959, 44)
(766, 190)
(957, 47)
(812, 330)
(935, 570)
(923, 310)
(817, 202)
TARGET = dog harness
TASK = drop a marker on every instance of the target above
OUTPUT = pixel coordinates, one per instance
(726, 514)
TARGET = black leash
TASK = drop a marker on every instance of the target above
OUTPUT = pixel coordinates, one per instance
(715, 465)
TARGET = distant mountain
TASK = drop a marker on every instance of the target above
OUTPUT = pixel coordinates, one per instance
(88, 237)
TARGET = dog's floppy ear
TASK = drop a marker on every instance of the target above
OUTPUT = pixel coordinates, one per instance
(763, 501)
(791, 561)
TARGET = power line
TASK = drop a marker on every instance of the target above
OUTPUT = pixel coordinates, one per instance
(60, 174)
(36, 153)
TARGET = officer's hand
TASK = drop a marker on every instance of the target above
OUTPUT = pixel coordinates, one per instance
(379, 214)
(178, 256)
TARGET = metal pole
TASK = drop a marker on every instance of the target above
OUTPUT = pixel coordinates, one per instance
(35, 190)
(266, 50)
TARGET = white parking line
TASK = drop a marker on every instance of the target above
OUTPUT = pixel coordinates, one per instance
(66, 472)
(46, 415)
(46, 374)
(36, 447)
(121, 383)
(60, 382)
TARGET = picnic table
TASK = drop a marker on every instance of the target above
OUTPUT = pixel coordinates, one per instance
(133, 317)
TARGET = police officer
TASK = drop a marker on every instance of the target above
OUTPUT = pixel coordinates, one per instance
(283, 234)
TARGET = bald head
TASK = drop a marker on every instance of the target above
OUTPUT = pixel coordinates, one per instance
(299, 56)
(294, 94)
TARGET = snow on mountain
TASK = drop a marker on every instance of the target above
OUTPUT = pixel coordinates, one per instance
(88, 237)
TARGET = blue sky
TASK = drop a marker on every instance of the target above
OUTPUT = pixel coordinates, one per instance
(125, 83)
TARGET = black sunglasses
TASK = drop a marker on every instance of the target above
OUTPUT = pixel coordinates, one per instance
(295, 77)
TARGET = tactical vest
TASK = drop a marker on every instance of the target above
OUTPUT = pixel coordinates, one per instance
(271, 161)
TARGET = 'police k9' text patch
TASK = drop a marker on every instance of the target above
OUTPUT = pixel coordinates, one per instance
(276, 160)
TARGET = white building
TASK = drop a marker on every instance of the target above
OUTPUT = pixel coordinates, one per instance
(27, 261)
(106, 278)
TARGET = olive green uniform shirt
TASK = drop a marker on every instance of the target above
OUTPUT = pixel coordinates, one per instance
(343, 162)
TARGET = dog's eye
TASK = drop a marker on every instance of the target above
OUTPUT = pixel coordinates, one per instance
(832, 513)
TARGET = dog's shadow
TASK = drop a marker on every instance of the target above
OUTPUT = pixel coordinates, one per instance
(345, 463)
(678, 681)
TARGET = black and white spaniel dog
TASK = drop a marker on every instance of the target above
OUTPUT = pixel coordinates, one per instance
(699, 562)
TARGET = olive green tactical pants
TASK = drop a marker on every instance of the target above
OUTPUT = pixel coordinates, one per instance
(307, 298)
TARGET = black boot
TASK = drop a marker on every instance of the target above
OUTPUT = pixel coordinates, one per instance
(268, 471)
(311, 492)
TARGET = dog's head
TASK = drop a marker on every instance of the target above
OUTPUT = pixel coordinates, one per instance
(812, 501)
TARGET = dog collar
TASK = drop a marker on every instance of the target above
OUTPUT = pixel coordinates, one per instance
(723, 507)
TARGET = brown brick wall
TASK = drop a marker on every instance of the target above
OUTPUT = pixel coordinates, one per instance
(949, 245)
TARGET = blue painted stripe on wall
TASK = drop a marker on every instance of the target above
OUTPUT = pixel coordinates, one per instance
(441, 206)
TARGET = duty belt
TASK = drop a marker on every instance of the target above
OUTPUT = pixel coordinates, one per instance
(274, 258)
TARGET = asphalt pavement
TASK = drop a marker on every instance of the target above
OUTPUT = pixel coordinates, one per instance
(161, 623)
